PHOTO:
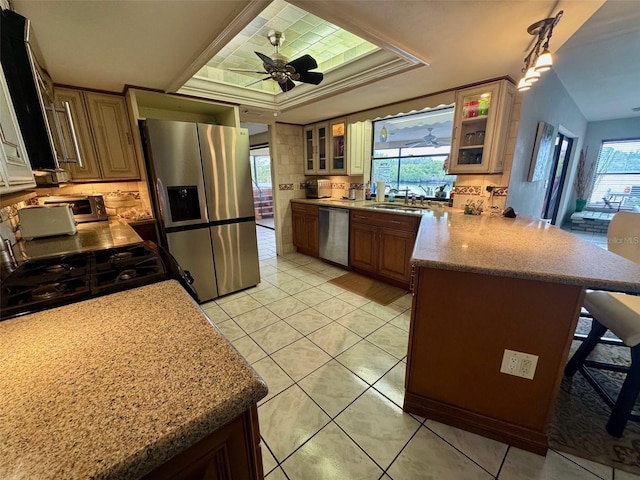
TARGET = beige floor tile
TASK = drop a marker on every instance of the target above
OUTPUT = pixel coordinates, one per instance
(215, 313)
(231, 296)
(240, 305)
(353, 299)
(404, 301)
(300, 358)
(380, 427)
(266, 270)
(391, 385)
(334, 338)
(603, 471)
(330, 455)
(276, 378)
(361, 322)
(268, 295)
(391, 339)
(249, 349)
(521, 465)
(278, 277)
(313, 296)
(367, 361)
(294, 286)
(331, 289)
(288, 420)
(268, 462)
(275, 336)
(383, 312)
(307, 321)
(286, 307)
(300, 272)
(485, 452)
(231, 330)
(315, 279)
(427, 457)
(333, 387)
(256, 319)
(276, 474)
(402, 321)
(335, 308)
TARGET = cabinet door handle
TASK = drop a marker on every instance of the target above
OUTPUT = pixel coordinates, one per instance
(395, 221)
(412, 280)
(74, 137)
(128, 137)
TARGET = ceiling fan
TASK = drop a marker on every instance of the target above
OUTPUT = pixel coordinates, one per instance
(428, 140)
(278, 68)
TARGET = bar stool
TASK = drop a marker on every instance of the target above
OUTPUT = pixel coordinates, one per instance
(620, 314)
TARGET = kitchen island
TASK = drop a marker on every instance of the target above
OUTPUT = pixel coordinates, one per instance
(484, 285)
(125, 385)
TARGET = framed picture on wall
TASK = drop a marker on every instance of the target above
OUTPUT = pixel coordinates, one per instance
(541, 152)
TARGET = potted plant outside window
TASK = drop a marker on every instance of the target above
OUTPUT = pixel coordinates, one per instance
(582, 181)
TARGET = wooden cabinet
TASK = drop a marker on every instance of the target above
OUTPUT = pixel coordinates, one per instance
(305, 228)
(316, 149)
(230, 453)
(381, 244)
(15, 170)
(102, 135)
(481, 125)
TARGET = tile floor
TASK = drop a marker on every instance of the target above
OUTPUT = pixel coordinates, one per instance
(335, 363)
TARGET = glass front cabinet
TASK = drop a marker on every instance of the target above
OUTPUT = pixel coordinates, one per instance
(338, 143)
(316, 149)
(481, 126)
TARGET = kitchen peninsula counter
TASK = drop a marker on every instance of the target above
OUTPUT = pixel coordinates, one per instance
(488, 285)
(116, 386)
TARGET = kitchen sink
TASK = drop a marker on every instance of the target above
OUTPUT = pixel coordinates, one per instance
(401, 208)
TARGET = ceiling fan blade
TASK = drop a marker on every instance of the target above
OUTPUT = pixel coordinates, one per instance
(304, 63)
(311, 77)
(287, 86)
(259, 80)
(247, 71)
(265, 59)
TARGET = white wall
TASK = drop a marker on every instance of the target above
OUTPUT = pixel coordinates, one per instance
(547, 101)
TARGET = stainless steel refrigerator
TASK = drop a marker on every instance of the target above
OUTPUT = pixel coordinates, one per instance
(200, 180)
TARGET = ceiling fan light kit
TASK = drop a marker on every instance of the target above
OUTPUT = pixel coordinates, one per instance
(278, 68)
(536, 62)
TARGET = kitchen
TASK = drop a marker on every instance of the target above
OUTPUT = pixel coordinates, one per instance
(283, 130)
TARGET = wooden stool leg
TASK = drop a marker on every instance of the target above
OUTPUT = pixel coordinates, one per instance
(627, 396)
(597, 330)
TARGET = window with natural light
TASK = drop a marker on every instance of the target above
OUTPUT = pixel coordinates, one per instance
(411, 153)
(616, 182)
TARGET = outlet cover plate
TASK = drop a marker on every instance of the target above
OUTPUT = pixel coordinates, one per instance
(519, 364)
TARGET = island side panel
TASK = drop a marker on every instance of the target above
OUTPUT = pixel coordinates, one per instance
(461, 324)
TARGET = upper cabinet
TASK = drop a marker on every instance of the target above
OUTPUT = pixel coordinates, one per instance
(481, 125)
(336, 147)
(15, 170)
(99, 135)
(316, 149)
(338, 142)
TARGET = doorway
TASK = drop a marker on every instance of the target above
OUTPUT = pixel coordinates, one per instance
(557, 177)
(262, 189)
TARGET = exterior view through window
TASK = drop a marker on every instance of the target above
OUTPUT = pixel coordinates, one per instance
(616, 183)
(411, 153)
(260, 161)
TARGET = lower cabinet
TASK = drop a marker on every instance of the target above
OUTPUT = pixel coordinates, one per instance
(381, 244)
(305, 228)
(230, 453)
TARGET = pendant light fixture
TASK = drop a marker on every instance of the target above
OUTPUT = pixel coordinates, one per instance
(536, 62)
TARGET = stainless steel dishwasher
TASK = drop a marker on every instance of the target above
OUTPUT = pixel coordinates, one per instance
(334, 234)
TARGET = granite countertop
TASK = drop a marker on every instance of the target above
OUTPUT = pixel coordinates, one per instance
(112, 387)
(372, 205)
(90, 236)
(523, 247)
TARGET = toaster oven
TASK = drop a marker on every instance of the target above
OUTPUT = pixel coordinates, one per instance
(318, 188)
(86, 208)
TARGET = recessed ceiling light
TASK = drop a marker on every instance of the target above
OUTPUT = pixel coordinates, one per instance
(635, 109)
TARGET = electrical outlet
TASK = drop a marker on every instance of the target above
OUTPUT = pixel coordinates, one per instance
(519, 364)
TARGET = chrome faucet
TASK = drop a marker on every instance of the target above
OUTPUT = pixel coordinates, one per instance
(426, 192)
(406, 195)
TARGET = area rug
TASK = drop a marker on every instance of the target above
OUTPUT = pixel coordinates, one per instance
(579, 418)
(369, 288)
